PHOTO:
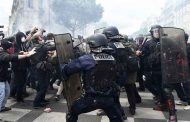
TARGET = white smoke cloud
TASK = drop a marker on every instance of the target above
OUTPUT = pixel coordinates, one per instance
(128, 15)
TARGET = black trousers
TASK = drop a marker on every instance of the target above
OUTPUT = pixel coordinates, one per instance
(32, 77)
(180, 91)
(132, 95)
(89, 103)
(117, 102)
(187, 91)
(43, 78)
(12, 86)
(140, 79)
(18, 84)
(155, 85)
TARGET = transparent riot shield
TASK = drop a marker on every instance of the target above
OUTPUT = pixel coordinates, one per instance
(72, 86)
(174, 61)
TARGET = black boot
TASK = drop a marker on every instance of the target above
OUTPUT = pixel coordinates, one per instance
(124, 116)
(130, 89)
(132, 111)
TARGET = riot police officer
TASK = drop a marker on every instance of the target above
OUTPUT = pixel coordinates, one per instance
(152, 69)
(187, 85)
(125, 77)
(153, 73)
(98, 76)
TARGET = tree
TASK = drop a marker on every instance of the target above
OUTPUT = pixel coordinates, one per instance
(76, 14)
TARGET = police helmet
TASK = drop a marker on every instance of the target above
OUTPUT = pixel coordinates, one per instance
(154, 27)
(97, 40)
(111, 31)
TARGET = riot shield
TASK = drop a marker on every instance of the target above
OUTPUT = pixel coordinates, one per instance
(174, 61)
(72, 86)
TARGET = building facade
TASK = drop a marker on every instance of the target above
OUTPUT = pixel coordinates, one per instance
(175, 13)
(182, 14)
(26, 14)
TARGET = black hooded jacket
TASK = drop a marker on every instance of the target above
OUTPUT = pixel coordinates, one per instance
(20, 65)
(5, 58)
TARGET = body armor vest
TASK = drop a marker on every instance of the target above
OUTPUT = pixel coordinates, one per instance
(101, 80)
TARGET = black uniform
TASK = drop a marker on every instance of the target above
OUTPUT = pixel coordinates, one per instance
(19, 69)
(42, 69)
(4, 64)
(99, 81)
(121, 55)
(187, 85)
(100, 89)
(152, 67)
(153, 74)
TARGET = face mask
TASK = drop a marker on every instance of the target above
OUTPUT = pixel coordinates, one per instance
(23, 39)
(51, 43)
(51, 40)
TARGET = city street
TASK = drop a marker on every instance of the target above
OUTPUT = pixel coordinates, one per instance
(94, 46)
(24, 112)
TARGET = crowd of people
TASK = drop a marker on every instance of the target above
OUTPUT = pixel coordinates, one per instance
(29, 60)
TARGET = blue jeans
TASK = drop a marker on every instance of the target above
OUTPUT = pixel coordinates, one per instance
(4, 94)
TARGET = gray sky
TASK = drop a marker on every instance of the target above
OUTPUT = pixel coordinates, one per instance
(127, 15)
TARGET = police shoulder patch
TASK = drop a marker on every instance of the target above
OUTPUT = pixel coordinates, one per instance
(102, 56)
(118, 45)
